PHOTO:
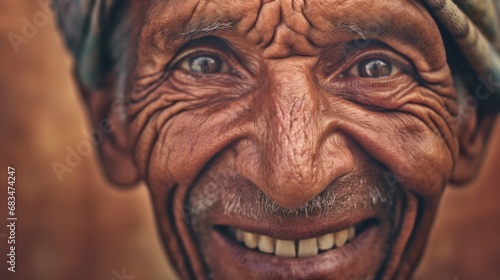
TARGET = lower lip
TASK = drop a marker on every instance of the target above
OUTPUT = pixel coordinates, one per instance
(354, 255)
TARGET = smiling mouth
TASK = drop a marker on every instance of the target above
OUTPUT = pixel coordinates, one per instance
(346, 232)
(297, 248)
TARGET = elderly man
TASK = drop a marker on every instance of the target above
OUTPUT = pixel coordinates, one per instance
(290, 139)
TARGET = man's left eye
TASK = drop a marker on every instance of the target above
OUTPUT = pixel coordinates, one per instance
(374, 68)
(205, 64)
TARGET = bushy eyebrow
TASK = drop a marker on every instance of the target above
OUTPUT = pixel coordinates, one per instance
(374, 29)
(198, 29)
(365, 30)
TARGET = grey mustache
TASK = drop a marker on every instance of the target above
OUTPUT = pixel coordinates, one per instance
(251, 202)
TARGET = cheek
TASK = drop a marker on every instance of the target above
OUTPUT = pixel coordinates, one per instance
(176, 136)
(417, 144)
(418, 157)
(409, 127)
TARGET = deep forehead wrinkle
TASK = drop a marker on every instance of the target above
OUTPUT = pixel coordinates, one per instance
(203, 25)
(284, 25)
(203, 22)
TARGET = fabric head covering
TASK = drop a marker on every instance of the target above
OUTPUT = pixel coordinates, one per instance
(474, 25)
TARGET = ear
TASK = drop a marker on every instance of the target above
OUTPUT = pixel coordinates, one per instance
(473, 138)
(110, 133)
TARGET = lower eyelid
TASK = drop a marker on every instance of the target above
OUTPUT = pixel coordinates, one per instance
(192, 77)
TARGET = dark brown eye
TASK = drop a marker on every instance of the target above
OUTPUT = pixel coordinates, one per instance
(205, 64)
(375, 68)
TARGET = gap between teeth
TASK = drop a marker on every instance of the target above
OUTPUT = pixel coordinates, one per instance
(295, 248)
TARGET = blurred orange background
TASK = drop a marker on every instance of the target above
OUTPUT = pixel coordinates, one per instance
(85, 228)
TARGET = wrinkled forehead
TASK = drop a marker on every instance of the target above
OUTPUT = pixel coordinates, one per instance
(303, 27)
(317, 12)
(170, 20)
(155, 27)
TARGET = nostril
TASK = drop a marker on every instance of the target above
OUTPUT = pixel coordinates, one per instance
(292, 196)
(292, 169)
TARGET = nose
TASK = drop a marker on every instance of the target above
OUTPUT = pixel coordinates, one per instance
(296, 152)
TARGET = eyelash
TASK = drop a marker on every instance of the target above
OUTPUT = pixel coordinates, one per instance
(176, 63)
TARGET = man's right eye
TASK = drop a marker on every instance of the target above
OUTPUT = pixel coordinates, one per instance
(205, 64)
(374, 68)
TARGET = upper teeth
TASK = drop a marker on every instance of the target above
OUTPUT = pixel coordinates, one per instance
(287, 248)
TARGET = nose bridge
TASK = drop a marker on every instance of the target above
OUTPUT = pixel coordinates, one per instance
(289, 160)
(292, 127)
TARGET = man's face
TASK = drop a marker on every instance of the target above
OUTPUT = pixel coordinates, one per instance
(293, 139)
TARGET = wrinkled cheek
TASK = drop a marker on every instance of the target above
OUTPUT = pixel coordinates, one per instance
(416, 158)
(423, 166)
(175, 145)
(174, 161)
(175, 154)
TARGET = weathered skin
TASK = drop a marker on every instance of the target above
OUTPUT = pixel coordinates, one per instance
(289, 118)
